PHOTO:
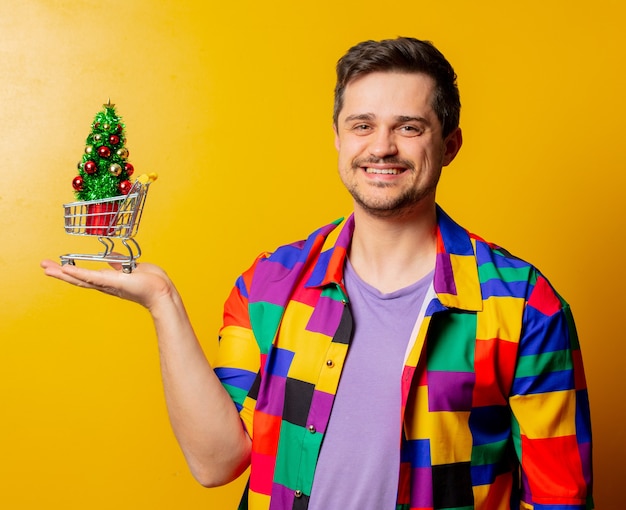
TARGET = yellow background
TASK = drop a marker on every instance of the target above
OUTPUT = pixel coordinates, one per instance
(230, 102)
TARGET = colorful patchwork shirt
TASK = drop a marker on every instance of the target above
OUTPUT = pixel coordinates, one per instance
(495, 410)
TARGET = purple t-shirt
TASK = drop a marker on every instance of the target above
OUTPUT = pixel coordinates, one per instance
(359, 461)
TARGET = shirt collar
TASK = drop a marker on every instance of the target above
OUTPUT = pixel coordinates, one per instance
(455, 280)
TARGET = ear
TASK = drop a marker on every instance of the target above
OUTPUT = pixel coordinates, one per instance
(452, 146)
(337, 141)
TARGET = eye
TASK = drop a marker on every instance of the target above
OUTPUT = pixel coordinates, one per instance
(361, 129)
(410, 130)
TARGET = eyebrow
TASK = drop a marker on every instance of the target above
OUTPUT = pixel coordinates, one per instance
(412, 118)
(398, 118)
(359, 116)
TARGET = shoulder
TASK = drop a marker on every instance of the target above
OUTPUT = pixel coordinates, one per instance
(294, 256)
(313, 244)
(496, 263)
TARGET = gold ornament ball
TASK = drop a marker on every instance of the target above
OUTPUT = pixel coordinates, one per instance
(106, 126)
(89, 149)
(115, 169)
(123, 152)
(97, 137)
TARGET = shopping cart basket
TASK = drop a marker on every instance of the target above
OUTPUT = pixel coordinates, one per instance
(109, 219)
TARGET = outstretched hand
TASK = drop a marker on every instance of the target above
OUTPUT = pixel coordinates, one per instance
(145, 285)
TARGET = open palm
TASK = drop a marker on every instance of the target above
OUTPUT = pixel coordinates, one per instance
(145, 285)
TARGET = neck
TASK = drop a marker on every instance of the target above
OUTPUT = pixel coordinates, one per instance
(392, 253)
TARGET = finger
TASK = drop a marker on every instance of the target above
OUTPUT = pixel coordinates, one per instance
(48, 263)
(60, 275)
(100, 278)
(117, 265)
(56, 271)
(51, 268)
(104, 280)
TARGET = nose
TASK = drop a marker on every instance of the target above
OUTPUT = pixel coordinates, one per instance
(383, 144)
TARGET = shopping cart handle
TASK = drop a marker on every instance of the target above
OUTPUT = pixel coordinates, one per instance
(146, 178)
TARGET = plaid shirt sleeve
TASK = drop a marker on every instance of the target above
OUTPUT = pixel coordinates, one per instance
(551, 424)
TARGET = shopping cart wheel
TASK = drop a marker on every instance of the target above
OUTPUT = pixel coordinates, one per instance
(128, 268)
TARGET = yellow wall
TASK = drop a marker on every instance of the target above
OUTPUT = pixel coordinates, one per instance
(230, 103)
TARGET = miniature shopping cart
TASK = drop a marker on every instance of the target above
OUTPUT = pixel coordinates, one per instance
(109, 219)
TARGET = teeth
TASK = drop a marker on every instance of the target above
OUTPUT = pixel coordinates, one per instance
(386, 171)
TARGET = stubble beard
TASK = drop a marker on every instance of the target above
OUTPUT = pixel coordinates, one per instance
(395, 206)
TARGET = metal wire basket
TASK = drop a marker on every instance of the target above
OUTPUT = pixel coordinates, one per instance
(109, 219)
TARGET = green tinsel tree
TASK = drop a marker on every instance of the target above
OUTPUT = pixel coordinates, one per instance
(104, 170)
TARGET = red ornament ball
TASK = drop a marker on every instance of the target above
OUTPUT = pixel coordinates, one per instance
(77, 183)
(90, 167)
(129, 169)
(124, 187)
(114, 139)
(119, 128)
(104, 152)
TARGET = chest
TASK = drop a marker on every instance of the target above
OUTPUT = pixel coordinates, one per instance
(457, 360)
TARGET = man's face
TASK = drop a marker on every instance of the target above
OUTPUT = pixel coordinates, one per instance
(391, 149)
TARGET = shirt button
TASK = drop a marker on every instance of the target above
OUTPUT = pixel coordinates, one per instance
(330, 363)
(297, 494)
(344, 302)
(312, 429)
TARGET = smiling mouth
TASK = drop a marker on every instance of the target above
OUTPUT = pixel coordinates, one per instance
(384, 171)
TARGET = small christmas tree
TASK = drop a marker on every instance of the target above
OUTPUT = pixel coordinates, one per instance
(104, 171)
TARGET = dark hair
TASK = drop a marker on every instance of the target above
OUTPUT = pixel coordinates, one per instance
(408, 55)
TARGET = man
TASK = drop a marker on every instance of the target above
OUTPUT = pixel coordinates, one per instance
(390, 360)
